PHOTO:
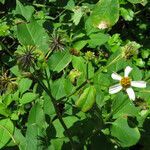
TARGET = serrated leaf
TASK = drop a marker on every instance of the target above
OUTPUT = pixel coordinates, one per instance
(6, 131)
(87, 99)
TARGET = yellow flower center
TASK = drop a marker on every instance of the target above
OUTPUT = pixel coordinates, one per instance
(125, 82)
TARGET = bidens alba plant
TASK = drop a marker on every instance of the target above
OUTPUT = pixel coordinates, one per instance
(126, 83)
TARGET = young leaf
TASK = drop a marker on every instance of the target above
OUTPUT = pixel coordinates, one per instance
(24, 85)
(87, 99)
(28, 97)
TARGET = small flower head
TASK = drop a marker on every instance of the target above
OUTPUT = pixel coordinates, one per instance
(89, 55)
(126, 83)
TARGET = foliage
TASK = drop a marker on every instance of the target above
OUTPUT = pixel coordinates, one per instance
(56, 61)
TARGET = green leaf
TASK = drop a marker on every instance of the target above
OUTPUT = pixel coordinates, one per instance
(87, 99)
(33, 34)
(48, 105)
(105, 10)
(80, 64)
(127, 14)
(61, 87)
(69, 121)
(2, 1)
(97, 39)
(6, 131)
(77, 15)
(24, 85)
(70, 5)
(15, 70)
(138, 1)
(25, 11)
(28, 97)
(80, 44)
(57, 88)
(126, 135)
(20, 139)
(59, 60)
(35, 127)
(4, 110)
(122, 106)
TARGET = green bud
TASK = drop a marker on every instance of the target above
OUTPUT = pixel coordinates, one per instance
(89, 55)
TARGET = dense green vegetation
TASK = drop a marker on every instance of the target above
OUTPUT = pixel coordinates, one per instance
(60, 61)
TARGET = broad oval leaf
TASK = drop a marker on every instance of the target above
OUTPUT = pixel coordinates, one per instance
(6, 131)
(105, 11)
(126, 135)
(33, 34)
(87, 99)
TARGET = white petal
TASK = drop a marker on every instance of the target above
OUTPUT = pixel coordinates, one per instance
(127, 70)
(115, 89)
(116, 76)
(130, 93)
(139, 84)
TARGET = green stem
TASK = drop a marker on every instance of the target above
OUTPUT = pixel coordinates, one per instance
(57, 111)
(87, 70)
(76, 90)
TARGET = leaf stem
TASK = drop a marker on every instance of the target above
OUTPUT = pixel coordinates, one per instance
(48, 91)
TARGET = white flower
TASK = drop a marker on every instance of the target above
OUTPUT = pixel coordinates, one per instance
(126, 83)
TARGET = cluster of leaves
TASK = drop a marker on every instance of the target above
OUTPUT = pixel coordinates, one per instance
(56, 60)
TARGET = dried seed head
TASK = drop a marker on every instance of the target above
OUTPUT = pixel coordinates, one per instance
(57, 42)
(130, 50)
(26, 57)
(7, 83)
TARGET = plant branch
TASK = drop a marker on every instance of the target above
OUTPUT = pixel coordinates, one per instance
(48, 91)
